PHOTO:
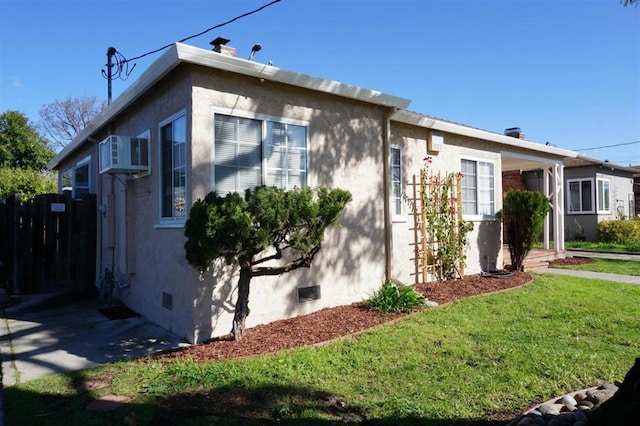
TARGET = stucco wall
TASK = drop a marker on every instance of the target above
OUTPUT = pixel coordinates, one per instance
(484, 250)
(345, 151)
(147, 260)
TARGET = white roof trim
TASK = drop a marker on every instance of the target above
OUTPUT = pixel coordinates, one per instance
(180, 53)
(421, 120)
(532, 158)
(211, 59)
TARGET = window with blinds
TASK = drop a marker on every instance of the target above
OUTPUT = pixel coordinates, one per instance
(250, 152)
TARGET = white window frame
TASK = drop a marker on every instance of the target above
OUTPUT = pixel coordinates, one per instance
(600, 193)
(479, 216)
(173, 221)
(146, 135)
(263, 143)
(74, 186)
(593, 197)
(68, 187)
(395, 199)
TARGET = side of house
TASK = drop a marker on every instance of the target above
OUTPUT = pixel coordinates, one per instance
(596, 191)
(205, 122)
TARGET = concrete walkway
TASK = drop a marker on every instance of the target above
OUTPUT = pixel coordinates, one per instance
(43, 336)
(628, 279)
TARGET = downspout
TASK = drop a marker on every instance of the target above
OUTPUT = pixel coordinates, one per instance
(386, 179)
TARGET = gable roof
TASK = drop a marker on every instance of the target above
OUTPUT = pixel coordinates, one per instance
(181, 53)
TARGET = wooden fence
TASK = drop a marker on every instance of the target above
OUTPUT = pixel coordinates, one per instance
(47, 244)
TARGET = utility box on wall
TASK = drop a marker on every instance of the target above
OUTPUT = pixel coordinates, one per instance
(435, 141)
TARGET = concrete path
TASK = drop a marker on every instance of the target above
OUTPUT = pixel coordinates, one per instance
(628, 279)
(604, 255)
(39, 337)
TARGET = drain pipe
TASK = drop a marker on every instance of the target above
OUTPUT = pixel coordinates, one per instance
(386, 179)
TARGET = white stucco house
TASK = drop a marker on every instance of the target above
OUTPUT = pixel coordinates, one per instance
(200, 120)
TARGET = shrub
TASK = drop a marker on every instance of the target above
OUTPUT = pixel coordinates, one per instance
(27, 182)
(619, 231)
(391, 298)
(523, 214)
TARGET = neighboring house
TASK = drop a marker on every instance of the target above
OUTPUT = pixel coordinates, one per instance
(596, 190)
(198, 121)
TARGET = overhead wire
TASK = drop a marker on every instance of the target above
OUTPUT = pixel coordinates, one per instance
(607, 146)
(205, 31)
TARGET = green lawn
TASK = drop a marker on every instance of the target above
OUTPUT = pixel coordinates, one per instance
(586, 245)
(465, 361)
(613, 266)
(612, 247)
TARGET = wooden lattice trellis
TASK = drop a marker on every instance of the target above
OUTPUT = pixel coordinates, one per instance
(426, 245)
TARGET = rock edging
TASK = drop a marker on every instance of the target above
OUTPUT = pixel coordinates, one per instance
(572, 409)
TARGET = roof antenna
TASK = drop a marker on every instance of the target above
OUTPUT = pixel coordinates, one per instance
(256, 48)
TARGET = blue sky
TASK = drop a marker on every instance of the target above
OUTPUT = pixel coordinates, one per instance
(566, 71)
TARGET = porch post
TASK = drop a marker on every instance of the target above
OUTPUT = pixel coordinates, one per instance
(547, 193)
(559, 201)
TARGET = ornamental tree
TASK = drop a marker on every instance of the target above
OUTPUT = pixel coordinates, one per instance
(523, 214)
(268, 232)
(21, 146)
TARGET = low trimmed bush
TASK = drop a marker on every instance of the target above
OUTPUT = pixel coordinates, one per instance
(619, 231)
(393, 298)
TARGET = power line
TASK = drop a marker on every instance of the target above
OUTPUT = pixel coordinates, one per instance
(205, 31)
(607, 146)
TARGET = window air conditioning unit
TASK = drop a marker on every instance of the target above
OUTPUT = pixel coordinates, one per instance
(124, 154)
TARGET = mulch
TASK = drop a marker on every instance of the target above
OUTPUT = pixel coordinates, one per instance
(332, 323)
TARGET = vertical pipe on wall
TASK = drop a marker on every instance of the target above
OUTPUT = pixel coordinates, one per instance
(386, 179)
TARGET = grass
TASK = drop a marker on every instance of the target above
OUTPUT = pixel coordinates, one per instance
(614, 266)
(465, 361)
(586, 245)
(612, 247)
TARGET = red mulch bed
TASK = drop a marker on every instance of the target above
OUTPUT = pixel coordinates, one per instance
(332, 323)
(572, 261)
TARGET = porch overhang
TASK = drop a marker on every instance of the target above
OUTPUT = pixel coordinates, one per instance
(552, 187)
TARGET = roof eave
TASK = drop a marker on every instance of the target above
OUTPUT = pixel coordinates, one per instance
(179, 53)
(421, 120)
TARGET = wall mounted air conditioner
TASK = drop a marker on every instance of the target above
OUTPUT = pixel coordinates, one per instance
(124, 154)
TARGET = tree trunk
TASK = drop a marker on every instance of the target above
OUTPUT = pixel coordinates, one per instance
(242, 303)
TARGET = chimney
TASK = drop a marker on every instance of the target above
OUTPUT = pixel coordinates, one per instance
(220, 46)
(514, 132)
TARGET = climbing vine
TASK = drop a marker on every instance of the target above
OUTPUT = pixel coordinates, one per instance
(446, 231)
